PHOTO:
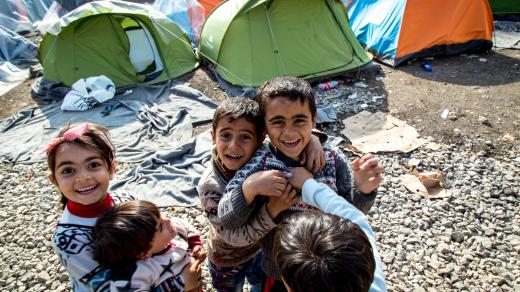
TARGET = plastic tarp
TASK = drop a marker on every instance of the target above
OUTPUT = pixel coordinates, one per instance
(16, 54)
(21, 15)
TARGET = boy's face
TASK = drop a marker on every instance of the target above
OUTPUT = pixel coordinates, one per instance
(164, 233)
(289, 125)
(236, 141)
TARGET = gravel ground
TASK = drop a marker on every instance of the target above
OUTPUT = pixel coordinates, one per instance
(468, 241)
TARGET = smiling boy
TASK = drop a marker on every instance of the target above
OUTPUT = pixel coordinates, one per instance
(233, 253)
(289, 112)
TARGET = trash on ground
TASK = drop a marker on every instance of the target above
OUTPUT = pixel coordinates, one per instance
(508, 138)
(445, 113)
(360, 84)
(87, 93)
(377, 132)
(482, 59)
(427, 67)
(432, 146)
(328, 85)
(353, 95)
(427, 184)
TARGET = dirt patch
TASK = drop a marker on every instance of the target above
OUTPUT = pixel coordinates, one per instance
(480, 92)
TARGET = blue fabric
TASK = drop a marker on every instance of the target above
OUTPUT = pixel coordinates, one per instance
(376, 24)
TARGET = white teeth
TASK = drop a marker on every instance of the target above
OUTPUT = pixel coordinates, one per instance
(86, 189)
(234, 156)
(290, 142)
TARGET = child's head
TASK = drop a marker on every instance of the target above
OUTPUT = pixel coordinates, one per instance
(321, 252)
(237, 131)
(81, 161)
(130, 231)
(289, 113)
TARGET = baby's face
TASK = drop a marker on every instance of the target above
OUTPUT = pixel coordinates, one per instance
(164, 233)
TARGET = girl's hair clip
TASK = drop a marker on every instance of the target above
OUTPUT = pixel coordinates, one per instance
(69, 136)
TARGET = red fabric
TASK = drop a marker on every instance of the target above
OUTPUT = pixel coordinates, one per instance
(193, 241)
(167, 248)
(90, 211)
(269, 282)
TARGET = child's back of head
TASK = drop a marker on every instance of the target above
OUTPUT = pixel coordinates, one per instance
(125, 233)
(321, 252)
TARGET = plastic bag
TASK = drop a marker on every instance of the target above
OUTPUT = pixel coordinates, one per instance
(187, 14)
(87, 93)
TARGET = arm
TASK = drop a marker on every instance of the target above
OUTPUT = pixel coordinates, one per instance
(192, 237)
(321, 196)
(346, 186)
(233, 210)
(253, 230)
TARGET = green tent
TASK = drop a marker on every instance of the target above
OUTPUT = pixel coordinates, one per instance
(251, 41)
(127, 42)
(505, 6)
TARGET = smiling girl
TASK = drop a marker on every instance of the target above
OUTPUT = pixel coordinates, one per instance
(81, 161)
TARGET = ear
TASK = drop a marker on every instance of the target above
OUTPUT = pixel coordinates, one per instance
(112, 169)
(213, 140)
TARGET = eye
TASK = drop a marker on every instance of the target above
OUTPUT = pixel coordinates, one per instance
(95, 164)
(67, 170)
(300, 121)
(245, 137)
(225, 135)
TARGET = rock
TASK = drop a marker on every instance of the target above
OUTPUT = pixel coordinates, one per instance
(457, 237)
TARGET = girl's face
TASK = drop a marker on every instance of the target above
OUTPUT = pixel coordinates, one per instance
(164, 233)
(81, 174)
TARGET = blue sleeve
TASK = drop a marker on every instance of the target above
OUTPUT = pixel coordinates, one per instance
(324, 198)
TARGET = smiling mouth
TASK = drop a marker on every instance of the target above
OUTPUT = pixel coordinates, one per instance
(290, 143)
(233, 157)
(86, 190)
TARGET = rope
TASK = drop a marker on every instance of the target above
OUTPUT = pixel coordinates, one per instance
(275, 44)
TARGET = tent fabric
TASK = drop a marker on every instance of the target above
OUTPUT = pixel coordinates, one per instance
(251, 41)
(399, 30)
(91, 40)
(147, 119)
(505, 6)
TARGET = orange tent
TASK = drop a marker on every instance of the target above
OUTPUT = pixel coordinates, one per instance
(398, 30)
(209, 5)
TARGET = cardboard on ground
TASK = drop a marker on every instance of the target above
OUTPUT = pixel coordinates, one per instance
(377, 132)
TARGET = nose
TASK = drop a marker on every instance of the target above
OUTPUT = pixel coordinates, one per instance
(83, 175)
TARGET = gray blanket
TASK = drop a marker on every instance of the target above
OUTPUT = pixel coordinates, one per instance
(149, 119)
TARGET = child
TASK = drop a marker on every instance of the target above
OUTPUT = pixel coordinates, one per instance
(237, 132)
(289, 111)
(344, 255)
(81, 161)
(144, 249)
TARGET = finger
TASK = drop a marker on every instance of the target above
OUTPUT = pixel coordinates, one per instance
(355, 164)
(373, 162)
(303, 161)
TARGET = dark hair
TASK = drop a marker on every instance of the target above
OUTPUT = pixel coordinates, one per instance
(96, 138)
(321, 252)
(290, 87)
(240, 107)
(124, 233)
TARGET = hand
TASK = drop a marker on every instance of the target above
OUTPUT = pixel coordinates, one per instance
(298, 176)
(199, 253)
(367, 173)
(267, 183)
(276, 205)
(192, 274)
(313, 157)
